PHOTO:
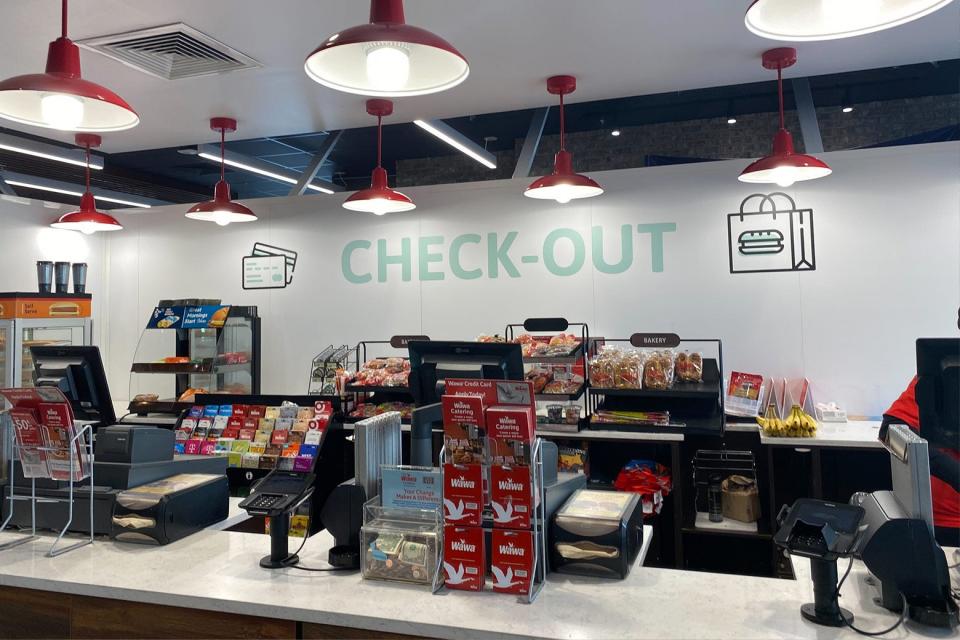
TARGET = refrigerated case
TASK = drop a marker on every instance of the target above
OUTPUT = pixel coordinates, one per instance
(19, 333)
(212, 348)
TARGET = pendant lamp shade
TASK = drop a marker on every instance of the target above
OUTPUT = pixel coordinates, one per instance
(60, 98)
(783, 166)
(563, 185)
(805, 20)
(87, 219)
(221, 210)
(387, 57)
(379, 199)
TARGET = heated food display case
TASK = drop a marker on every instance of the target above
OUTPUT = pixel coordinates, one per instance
(192, 347)
(35, 319)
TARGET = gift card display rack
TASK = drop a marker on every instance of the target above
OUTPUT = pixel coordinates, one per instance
(538, 522)
(81, 444)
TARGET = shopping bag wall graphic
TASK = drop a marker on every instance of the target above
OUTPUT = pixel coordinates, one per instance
(770, 234)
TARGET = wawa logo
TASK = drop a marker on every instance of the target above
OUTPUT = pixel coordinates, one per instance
(505, 420)
(510, 550)
(509, 485)
(407, 478)
(462, 545)
(462, 483)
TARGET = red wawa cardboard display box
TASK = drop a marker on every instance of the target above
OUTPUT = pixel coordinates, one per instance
(464, 561)
(463, 494)
(511, 496)
(511, 560)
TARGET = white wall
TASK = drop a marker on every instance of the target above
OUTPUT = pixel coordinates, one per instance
(25, 237)
(888, 271)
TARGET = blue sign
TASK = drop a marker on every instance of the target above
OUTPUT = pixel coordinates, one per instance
(205, 317)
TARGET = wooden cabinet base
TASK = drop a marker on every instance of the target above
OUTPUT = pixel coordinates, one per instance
(29, 614)
(25, 613)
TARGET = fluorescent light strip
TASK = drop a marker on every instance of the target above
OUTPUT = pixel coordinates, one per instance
(49, 156)
(78, 194)
(426, 126)
(259, 171)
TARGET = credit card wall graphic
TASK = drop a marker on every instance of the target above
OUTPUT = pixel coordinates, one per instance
(261, 249)
(770, 234)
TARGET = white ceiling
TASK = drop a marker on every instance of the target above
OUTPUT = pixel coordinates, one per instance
(616, 48)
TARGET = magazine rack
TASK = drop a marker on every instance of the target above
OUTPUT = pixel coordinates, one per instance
(82, 440)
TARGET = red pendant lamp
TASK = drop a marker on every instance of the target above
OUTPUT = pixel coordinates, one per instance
(387, 57)
(87, 220)
(563, 185)
(60, 98)
(783, 166)
(379, 199)
(805, 20)
(221, 209)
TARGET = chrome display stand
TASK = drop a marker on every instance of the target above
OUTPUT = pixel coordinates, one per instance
(83, 436)
(539, 523)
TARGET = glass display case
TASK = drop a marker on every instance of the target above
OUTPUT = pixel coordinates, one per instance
(190, 349)
(28, 320)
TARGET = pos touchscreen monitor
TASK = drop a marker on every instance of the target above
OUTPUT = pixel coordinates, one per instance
(78, 372)
(435, 361)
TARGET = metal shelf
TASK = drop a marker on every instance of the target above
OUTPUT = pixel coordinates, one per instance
(555, 397)
(679, 390)
(190, 368)
(359, 388)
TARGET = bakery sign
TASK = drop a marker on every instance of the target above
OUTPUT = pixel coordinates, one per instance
(563, 252)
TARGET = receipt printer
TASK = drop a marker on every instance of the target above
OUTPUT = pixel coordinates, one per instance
(134, 444)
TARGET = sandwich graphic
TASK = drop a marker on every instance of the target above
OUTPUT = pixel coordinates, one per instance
(760, 242)
(64, 309)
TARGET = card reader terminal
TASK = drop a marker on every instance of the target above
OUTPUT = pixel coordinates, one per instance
(279, 493)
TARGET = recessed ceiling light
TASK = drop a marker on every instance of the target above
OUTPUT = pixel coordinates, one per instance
(731, 121)
(847, 109)
(615, 133)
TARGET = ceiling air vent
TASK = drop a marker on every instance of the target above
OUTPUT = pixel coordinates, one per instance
(171, 52)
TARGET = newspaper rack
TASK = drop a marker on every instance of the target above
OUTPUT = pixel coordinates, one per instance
(81, 440)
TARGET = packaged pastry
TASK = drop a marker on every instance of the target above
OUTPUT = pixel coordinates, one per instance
(540, 378)
(688, 367)
(616, 368)
(658, 369)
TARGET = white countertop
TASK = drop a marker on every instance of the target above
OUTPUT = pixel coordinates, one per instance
(218, 570)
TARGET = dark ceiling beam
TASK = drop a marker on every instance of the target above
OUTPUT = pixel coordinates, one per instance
(807, 113)
(531, 143)
(320, 157)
